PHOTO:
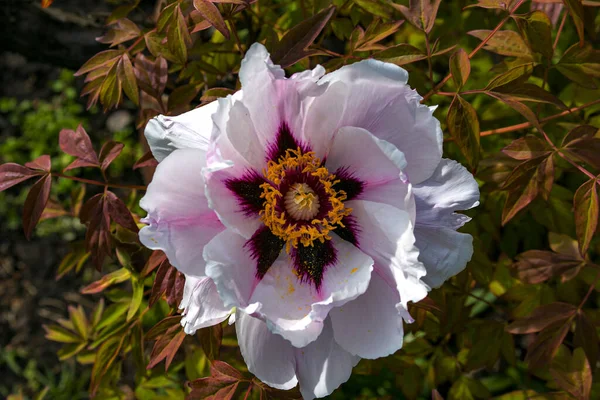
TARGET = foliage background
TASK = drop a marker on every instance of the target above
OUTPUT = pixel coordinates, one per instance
(517, 87)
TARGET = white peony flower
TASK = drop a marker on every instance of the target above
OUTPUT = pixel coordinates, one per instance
(318, 206)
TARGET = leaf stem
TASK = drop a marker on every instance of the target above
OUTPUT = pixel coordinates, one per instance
(589, 292)
(98, 183)
(475, 50)
(560, 28)
(526, 125)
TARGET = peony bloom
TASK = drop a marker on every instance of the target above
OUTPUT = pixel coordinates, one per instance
(318, 206)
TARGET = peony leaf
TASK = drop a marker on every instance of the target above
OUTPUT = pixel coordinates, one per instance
(527, 147)
(537, 266)
(536, 28)
(211, 13)
(506, 43)
(580, 64)
(118, 276)
(586, 206)
(519, 73)
(210, 340)
(109, 152)
(464, 128)
(119, 212)
(77, 143)
(542, 317)
(127, 79)
(375, 7)
(586, 337)
(401, 54)
(105, 58)
(42, 163)
(166, 346)
(460, 67)
(420, 13)
(293, 46)
(147, 160)
(105, 357)
(493, 4)
(574, 374)
(12, 174)
(541, 351)
(575, 8)
(35, 203)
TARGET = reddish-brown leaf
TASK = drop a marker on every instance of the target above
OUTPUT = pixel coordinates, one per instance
(118, 276)
(586, 337)
(156, 258)
(103, 59)
(151, 75)
(420, 13)
(573, 375)
(35, 203)
(463, 125)
(94, 213)
(536, 266)
(147, 160)
(544, 347)
(210, 340)
(120, 31)
(581, 132)
(293, 46)
(12, 174)
(119, 212)
(575, 8)
(585, 203)
(166, 346)
(211, 13)
(460, 67)
(42, 163)
(78, 144)
(169, 282)
(53, 209)
(586, 149)
(47, 3)
(109, 152)
(163, 326)
(526, 148)
(542, 317)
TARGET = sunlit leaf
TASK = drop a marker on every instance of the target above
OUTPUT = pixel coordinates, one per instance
(586, 206)
(460, 67)
(463, 126)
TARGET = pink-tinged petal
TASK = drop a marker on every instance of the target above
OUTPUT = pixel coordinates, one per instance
(179, 220)
(387, 236)
(375, 164)
(323, 365)
(295, 309)
(231, 209)
(370, 326)
(201, 304)
(273, 100)
(378, 99)
(268, 356)
(292, 308)
(444, 251)
(189, 130)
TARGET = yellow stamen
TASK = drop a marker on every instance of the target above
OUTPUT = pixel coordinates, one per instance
(301, 202)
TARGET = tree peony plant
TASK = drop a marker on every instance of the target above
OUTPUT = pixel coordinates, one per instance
(310, 210)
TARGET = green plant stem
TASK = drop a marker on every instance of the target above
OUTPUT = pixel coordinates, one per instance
(98, 183)
(475, 50)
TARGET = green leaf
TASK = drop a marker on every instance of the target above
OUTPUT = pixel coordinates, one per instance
(460, 67)
(585, 204)
(128, 80)
(375, 7)
(519, 73)
(118, 276)
(420, 13)
(103, 59)
(59, 334)
(463, 126)
(580, 64)
(105, 357)
(536, 27)
(493, 4)
(575, 375)
(506, 43)
(520, 92)
(543, 317)
(136, 298)
(178, 37)
(401, 54)
(293, 46)
(575, 8)
(110, 92)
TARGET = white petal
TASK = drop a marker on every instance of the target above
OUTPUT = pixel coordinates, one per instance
(189, 130)
(450, 188)
(370, 326)
(268, 356)
(378, 100)
(180, 221)
(387, 236)
(444, 252)
(202, 305)
(323, 365)
(230, 266)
